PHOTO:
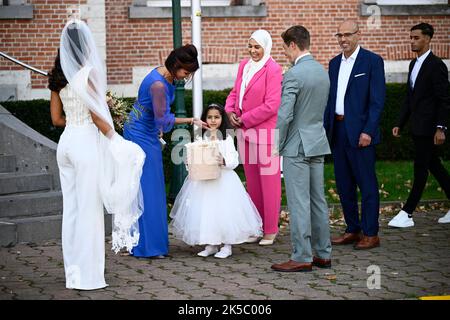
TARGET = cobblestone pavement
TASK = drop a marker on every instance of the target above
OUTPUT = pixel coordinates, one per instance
(412, 262)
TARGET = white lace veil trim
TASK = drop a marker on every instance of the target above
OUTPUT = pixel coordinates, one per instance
(120, 161)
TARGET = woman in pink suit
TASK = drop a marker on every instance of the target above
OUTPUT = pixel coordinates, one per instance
(252, 107)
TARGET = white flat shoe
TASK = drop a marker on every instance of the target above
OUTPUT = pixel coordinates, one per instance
(224, 252)
(401, 220)
(252, 240)
(446, 218)
(209, 250)
(267, 242)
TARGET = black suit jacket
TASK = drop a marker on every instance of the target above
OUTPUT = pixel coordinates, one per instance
(428, 104)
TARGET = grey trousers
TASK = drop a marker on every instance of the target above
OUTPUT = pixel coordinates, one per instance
(309, 221)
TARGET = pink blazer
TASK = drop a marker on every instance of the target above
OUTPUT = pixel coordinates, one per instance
(260, 103)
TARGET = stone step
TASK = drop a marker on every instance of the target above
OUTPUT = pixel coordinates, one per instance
(38, 229)
(11, 183)
(7, 163)
(8, 234)
(35, 229)
(30, 204)
(30, 229)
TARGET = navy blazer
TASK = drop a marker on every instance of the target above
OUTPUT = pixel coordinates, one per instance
(364, 98)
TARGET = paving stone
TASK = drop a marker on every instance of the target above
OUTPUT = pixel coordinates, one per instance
(413, 262)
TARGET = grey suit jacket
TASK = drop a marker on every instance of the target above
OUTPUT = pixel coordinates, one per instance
(303, 102)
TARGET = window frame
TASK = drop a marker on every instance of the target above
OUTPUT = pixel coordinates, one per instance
(383, 8)
(139, 9)
(16, 9)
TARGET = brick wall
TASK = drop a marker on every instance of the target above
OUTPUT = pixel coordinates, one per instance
(142, 42)
(35, 41)
(148, 41)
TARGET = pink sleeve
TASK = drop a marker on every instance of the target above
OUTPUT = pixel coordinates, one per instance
(272, 99)
(231, 100)
(230, 103)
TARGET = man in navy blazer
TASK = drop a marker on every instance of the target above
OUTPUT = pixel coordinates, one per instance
(352, 117)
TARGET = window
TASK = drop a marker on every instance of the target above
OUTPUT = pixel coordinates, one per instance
(210, 8)
(410, 2)
(15, 9)
(187, 3)
(13, 2)
(405, 7)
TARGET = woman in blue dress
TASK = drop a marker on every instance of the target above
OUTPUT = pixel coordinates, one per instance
(150, 116)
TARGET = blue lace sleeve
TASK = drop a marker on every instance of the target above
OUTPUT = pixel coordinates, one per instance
(161, 107)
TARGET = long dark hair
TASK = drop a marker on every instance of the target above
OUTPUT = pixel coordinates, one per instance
(225, 122)
(56, 78)
(184, 57)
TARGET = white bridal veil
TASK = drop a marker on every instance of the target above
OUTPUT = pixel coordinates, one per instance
(120, 161)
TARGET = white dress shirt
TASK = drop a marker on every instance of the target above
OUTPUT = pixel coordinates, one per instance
(301, 56)
(417, 66)
(344, 75)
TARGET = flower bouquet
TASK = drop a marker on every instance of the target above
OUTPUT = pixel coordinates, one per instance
(119, 110)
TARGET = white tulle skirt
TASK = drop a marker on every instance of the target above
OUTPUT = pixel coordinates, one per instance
(215, 212)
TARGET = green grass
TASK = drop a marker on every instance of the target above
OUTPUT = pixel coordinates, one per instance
(394, 181)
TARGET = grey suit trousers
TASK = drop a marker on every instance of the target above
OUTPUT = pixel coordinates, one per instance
(308, 209)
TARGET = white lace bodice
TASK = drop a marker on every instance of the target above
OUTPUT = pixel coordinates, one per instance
(76, 111)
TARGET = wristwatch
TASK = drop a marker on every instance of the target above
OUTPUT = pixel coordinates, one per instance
(443, 128)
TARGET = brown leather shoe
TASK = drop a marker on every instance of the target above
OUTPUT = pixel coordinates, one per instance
(321, 263)
(293, 266)
(368, 243)
(347, 238)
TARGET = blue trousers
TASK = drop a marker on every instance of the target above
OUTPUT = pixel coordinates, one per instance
(355, 167)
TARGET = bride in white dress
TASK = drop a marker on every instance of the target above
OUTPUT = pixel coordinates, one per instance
(95, 163)
(219, 211)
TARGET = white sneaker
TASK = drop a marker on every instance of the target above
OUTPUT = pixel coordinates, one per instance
(401, 220)
(446, 218)
(224, 252)
(209, 250)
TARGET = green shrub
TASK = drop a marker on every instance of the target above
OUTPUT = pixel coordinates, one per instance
(36, 113)
(401, 148)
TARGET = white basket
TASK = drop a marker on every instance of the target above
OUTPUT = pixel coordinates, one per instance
(201, 158)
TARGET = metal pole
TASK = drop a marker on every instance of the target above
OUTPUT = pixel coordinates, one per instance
(197, 90)
(23, 64)
(179, 172)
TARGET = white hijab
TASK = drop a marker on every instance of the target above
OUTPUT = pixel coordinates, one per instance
(263, 38)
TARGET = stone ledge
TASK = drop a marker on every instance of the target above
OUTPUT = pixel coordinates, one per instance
(140, 12)
(16, 12)
(407, 10)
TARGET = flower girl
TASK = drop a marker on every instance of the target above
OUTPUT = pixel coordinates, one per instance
(216, 211)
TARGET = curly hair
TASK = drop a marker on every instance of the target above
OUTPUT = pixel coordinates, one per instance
(184, 57)
(56, 78)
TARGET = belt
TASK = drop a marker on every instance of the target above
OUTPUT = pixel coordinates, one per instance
(339, 117)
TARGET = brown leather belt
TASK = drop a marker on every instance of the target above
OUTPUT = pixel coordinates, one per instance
(339, 117)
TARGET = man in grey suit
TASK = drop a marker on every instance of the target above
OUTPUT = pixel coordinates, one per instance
(303, 144)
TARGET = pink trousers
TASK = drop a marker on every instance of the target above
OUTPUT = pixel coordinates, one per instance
(262, 172)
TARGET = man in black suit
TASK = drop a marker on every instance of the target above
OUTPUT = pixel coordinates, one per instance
(428, 105)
